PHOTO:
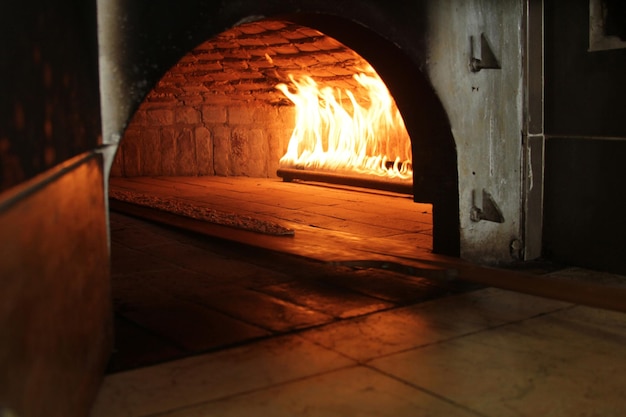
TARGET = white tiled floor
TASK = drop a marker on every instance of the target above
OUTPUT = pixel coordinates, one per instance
(484, 353)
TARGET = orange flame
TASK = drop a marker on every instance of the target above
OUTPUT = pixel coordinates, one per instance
(359, 131)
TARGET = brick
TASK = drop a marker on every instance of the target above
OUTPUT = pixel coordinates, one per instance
(326, 59)
(204, 151)
(209, 66)
(209, 55)
(254, 41)
(221, 150)
(251, 28)
(319, 73)
(295, 35)
(131, 157)
(168, 151)
(161, 100)
(225, 76)
(261, 52)
(214, 114)
(163, 117)
(240, 115)
(184, 67)
(194, 100)
(271, 25)
(286, 49)
(247, 145)
(309, 32)
(194, 88)
(187, 115)
(203, 50)
(307, 60)
(286, 63)
(349, 57)
(174, 78)
(257, 64)
(223, 45)
(306, 47)
(328, 44)
(235, 65)
(338, 70)
(236, 53)
(150, 146)
(273, 40)
(248, 87)
(166, 90)
(140, 117)
(186, 154)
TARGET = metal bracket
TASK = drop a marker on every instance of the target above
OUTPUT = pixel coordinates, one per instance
(489, 212)
(487, 58)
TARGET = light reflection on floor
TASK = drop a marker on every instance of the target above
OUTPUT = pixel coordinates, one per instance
(486, 352)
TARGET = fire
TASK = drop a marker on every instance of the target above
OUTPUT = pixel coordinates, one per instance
(359, 131)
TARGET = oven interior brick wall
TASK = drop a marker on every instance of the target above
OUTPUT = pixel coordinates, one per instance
(217, 111)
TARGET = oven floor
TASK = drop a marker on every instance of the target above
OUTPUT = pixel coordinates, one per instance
(206, 326)
(329, 223)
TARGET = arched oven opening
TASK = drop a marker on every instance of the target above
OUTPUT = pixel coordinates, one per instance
(218, 113)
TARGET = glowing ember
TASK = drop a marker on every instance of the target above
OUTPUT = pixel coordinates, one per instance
(359, 131)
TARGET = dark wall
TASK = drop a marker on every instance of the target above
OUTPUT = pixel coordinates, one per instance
(585, 91)
(54, 263)
(585, 110)
(49, 103)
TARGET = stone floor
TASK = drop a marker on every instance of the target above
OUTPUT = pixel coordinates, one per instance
(208, 327)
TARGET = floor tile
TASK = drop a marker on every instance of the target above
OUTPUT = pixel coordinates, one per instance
(356, 391)
(135, 346)
(198, 379)
(206, 262)
(487, 308)
(138, 237)
(190, 326)
(335, 301)
(568, 363)
(586, 275)
(379, 334)
(128, 261)
(392, 331)
(386, 285)
(266, 311)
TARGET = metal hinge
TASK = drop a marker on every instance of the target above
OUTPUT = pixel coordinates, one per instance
(487, 58)
(489, 211)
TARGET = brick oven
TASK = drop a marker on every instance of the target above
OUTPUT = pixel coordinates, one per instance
(214, 109)
(218, 112)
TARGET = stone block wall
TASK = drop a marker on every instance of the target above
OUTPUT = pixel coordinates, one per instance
(217, 111)
(224, 140)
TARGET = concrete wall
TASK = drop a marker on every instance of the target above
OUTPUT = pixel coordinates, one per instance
(485, 111)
